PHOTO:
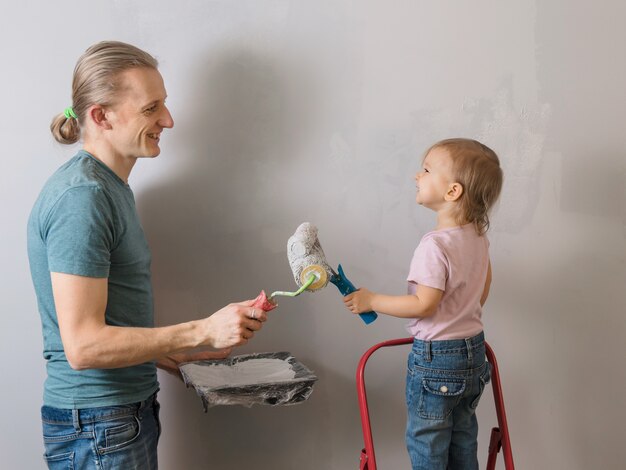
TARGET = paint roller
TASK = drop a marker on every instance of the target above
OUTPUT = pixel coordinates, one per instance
(307, 263)
(310, 270)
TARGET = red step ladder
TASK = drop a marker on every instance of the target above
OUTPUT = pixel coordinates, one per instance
(499, 435)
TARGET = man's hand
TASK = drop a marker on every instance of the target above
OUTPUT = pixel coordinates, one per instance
(171, 362)
(233, 325)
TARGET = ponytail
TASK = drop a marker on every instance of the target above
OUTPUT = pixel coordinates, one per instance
(65, 130)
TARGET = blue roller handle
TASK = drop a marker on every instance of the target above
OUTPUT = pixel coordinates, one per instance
(346, 287)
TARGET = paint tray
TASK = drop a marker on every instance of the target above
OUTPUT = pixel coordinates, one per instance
(251, 379)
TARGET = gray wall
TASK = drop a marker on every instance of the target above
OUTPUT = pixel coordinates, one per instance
(319, 111)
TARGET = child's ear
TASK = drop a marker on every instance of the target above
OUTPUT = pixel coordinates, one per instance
(455, 190)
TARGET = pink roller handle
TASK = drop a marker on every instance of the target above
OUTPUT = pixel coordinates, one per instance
(264, 303)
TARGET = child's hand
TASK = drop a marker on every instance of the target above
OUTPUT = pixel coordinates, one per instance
(359, 301)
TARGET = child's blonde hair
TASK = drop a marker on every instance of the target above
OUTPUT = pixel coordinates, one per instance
(96, 82)
(477, 168)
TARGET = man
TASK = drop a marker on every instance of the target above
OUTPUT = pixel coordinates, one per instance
(90, 265)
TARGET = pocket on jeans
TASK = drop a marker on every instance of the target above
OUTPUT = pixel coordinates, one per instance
(59, 442)
(117, 434)
(484, 379)
(439, 396)
(63, 461)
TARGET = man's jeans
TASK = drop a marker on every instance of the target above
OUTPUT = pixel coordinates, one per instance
(116, 437)
(445, 380)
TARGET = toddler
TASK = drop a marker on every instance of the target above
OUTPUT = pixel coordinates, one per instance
(448, 283)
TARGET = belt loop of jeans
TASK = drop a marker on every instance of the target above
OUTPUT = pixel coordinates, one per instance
(76, 419)
(469, 346)
(427, 351)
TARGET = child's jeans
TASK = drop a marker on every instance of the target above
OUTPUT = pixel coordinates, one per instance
(445, 380)
(115, 437)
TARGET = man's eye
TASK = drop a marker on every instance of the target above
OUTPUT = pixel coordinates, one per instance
(150, 110)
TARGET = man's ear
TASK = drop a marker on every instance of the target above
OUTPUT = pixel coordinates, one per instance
(98, 115)
(455, 190)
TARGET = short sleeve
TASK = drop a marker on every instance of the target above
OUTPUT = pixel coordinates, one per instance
(78, 233)
(429, 266)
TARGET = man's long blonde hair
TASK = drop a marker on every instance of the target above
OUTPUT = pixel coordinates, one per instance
(96, 81)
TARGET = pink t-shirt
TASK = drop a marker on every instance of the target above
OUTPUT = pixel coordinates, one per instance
(456, 261)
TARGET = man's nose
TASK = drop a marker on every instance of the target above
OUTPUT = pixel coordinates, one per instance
(166, 119)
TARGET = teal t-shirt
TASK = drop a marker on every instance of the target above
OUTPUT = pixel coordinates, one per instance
(85, 223)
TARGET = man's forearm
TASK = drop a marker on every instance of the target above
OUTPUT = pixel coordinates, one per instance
(108, 347)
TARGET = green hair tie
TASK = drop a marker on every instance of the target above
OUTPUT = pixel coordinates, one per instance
(69, 112)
